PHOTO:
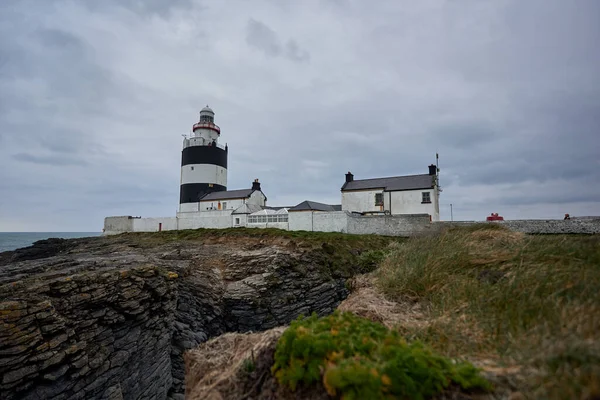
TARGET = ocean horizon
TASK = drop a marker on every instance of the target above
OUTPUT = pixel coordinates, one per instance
(16, 240)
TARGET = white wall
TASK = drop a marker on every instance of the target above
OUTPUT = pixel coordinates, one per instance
(335, 221)
(243, 219)
(115, 225)
(300, 220)
(188, 207)
(207, 134)
(257, 197)
(360, 201)
(321, 221)
(213, 219)
(203, 173)
(410, 202)
(152, 224)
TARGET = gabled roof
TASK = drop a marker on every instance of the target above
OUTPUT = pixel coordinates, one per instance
(228, 194)
(408, 182)
(308, 205)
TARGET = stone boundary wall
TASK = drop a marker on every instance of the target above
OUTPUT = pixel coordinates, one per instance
(540, 226)
(389, 225)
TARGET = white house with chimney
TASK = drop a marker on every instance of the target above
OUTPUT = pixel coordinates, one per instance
(396, 195)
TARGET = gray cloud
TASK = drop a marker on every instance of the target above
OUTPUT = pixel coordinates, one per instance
(95, 96)
(261, 37)
(48, 160)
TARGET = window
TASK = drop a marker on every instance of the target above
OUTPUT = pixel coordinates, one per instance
(224, 205)
(426, 197)
(192, 168)
(378, 199)
(237, 221)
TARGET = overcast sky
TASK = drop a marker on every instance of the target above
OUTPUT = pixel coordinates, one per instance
(95, 95)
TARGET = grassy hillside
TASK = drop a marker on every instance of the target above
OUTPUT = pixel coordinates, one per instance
(528, 303)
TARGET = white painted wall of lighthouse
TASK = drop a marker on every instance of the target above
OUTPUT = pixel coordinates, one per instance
(204, 173)
(208, 134)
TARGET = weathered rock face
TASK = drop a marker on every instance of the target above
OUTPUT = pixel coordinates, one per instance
(87, 335)
(111, 317)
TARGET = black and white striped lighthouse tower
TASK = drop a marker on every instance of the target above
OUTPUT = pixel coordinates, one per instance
(203, 162)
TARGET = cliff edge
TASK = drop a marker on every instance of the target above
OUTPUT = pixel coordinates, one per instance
(110, 317)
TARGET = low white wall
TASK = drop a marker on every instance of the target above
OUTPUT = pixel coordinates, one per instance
(336, 221)
(115, 225)
(152, 224)
(300, 220)
(212, 221)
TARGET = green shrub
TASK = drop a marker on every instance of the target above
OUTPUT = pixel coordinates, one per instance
(370, 259)
(359, 359)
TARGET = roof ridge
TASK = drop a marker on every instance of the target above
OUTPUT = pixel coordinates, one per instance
(388, 177)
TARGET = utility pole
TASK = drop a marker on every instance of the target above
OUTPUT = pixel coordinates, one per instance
(451, 215)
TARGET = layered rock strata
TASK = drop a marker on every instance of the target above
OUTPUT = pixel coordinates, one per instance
(109, 318)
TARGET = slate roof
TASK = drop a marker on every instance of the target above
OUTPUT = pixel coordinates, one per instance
(394, 183)
(308, 205)
(228, 194)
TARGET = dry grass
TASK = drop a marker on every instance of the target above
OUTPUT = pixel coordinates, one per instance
(218, 369)
(524, 305)
(368, 302)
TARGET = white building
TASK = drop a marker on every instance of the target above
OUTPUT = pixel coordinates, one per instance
(397, 195)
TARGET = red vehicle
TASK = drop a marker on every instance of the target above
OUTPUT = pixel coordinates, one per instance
(495, 217)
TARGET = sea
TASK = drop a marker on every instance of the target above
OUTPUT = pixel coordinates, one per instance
(15, 240)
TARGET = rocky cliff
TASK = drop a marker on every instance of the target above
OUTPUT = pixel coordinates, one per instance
(110, 317)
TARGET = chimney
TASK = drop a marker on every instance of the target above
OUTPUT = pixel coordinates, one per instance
(256, 185)
(349, 177)
(432, 170)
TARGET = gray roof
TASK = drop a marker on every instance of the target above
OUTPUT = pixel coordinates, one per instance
(228, 194)
(308, 205)
(409, 182)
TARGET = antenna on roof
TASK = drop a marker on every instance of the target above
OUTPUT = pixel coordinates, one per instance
(437, 169)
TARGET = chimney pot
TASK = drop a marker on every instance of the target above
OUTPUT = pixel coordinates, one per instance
(432, 170)
(256, 185)
(349, 177)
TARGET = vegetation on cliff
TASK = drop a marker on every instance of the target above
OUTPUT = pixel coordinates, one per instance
(338, 254)
(530, 304)
(359, 359)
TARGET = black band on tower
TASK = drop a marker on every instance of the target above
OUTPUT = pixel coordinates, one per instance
(204, 155)
(191, 192)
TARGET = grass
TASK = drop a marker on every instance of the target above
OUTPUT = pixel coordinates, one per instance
(529, 301)
(355, 358)
(336, 254)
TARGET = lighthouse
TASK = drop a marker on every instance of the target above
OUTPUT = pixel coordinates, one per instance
(203, 162)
